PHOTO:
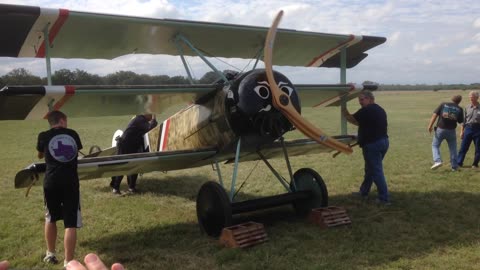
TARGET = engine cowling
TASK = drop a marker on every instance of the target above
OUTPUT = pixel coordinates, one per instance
(250, 107)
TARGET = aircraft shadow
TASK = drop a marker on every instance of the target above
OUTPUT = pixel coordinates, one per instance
(416, 224)
(185, 186)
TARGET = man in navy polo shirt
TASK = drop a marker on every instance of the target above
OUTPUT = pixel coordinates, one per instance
(371, 120)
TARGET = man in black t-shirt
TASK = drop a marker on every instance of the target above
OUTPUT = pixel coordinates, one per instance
(448, 114)
(59, 146)
(371, 120)
(131, 142)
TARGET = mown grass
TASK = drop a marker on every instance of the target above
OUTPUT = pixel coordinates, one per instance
(433, 223)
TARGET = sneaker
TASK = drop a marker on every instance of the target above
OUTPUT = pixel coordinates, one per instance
(436, 165)
(132, 190)
(474, 166)
(50, 259)
(116, 192)
(455, 169)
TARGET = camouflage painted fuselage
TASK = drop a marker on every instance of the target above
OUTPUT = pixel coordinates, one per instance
(200, 125)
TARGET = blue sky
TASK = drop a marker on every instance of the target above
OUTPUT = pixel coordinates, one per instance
(427, 41)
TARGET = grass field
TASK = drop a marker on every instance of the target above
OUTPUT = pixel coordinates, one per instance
(434, 222)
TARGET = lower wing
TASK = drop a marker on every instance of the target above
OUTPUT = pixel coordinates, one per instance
(106, 166)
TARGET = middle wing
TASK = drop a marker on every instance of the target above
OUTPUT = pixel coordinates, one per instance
(34, 102)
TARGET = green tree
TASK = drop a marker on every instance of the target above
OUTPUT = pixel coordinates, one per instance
(63, 77)
(21, 76)
(178, 80)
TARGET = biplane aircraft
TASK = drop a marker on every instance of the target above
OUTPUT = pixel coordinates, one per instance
(241, 117)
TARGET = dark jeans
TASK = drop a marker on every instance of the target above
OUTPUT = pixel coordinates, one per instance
(126, 148)
(470, 134)
(117, 180)
(373, 154)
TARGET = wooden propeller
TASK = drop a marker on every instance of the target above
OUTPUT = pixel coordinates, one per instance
(282, 102)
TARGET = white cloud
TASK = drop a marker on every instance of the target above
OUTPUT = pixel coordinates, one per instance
(476, 23)
(474, 49)
(394, 38)
(427, 62)
(476, 37)
(423, 47)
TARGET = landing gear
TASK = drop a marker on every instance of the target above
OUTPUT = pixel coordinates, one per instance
(214, 211)
(307, 179)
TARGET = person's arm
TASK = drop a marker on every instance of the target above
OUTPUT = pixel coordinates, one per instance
(40, 146)
(432, 121)
(462, 129)
(349, 117)
(153, 123)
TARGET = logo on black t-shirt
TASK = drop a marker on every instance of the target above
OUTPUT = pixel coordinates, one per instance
(450, 112)
(63, 148)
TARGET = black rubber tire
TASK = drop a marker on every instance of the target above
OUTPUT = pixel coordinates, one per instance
(214, 211)
(308, 179)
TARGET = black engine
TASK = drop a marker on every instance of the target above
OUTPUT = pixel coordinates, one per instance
(250, 108)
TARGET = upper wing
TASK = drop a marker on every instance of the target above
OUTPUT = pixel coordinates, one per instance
(106, 166)
(89, 35)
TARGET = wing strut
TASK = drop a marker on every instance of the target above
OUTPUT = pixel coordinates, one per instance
(275, 173)
(343, 80)
(235, 169)
(47, 53)
(185, 40)
(180, 51)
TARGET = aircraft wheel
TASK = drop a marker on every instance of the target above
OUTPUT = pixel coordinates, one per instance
(308, 179)
(214, 211)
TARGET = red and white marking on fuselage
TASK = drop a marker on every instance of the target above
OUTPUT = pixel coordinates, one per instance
(164, 135)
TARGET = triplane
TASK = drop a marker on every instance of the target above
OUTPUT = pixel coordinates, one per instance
(241, 117)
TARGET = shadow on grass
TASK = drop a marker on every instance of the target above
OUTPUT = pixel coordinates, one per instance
(415, 225)
(185, 186)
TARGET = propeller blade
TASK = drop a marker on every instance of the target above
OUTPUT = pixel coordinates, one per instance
(282, 102)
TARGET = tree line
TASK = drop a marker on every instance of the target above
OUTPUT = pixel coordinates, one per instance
(21, 76)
